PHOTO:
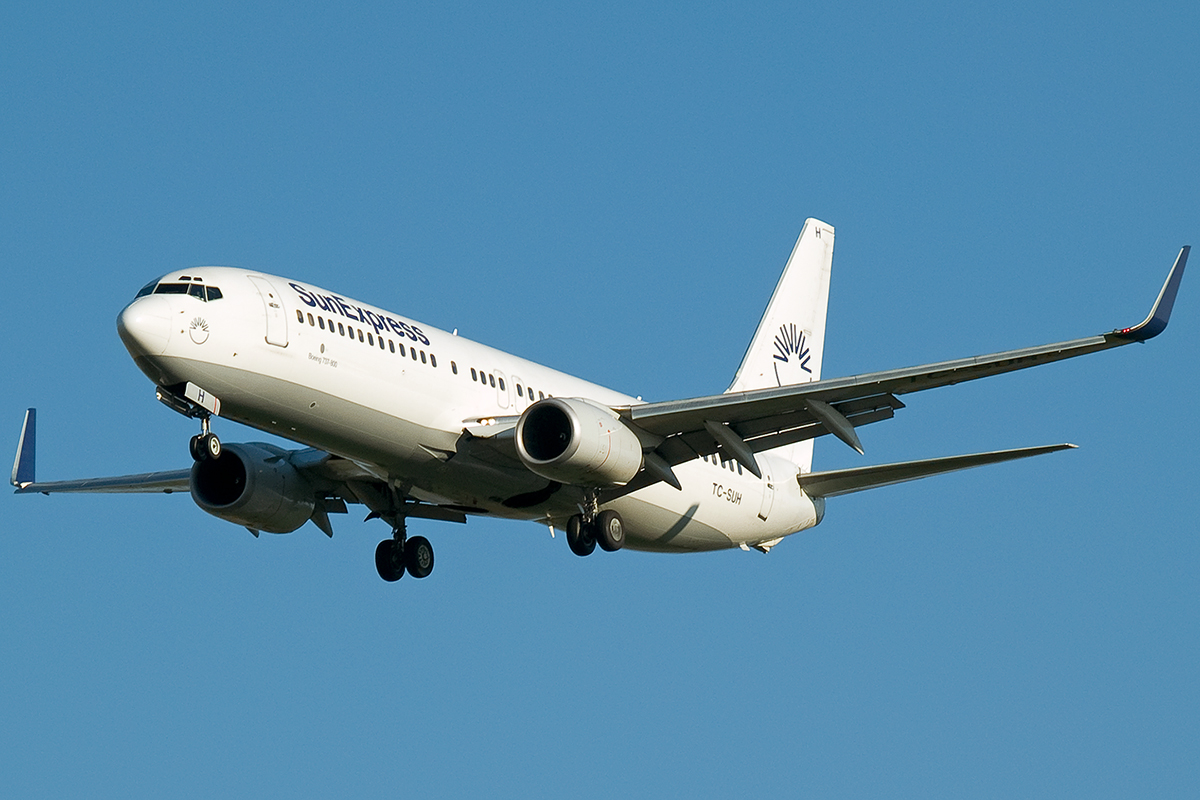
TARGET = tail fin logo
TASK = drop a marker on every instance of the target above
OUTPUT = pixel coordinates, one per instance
(789, 342)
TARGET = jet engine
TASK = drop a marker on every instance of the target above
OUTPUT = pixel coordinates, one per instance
(578, 442)
(252, 485)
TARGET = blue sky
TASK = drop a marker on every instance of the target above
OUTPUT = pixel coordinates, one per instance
(613, 190)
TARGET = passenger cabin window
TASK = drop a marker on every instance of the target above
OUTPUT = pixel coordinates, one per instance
(299, 313)
(454, 367)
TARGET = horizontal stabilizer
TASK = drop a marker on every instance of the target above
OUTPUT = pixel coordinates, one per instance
(845, 481)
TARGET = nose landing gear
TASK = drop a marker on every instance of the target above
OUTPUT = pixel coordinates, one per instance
(206, 445)
(192, 401)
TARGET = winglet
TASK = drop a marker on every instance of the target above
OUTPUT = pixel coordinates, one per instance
(1156, 323)
(23, 464)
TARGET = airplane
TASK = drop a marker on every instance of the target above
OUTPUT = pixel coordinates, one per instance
(418, 423)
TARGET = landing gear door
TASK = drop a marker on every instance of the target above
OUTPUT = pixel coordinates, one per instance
(273, 306)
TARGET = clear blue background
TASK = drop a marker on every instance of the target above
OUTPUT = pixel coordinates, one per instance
(613, 190)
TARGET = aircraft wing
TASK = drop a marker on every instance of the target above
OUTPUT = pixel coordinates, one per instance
(147, 482)
(740, 424)
(334, 482)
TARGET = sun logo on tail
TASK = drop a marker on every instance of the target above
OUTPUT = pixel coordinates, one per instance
(789, 342)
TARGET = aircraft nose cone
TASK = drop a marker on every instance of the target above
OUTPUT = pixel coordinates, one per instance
(145, 326)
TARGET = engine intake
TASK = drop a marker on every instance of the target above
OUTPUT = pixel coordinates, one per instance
(578, 442)
(252, 485)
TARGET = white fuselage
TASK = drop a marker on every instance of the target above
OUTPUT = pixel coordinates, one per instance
(395, 396)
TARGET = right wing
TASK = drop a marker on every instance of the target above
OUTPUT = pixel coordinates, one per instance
(740, 424)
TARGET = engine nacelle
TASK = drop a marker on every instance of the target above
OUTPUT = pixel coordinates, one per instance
(578, 442)
(251, 485)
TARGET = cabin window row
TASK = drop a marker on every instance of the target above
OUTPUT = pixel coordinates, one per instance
(488, 379)
(732, 466)
(369, 338)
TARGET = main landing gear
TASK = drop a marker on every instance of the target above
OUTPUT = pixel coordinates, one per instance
(591, 528)
(401, 553)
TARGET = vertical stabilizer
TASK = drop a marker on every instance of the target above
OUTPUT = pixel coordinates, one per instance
(790, 340)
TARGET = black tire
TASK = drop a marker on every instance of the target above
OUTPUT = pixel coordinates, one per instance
(610, 531)
(418, 556)
(581, 538)
(211, 445)
(195, 449)
(388, 561)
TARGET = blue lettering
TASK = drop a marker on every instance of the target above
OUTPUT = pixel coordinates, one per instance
(305, 297)
(376, 322)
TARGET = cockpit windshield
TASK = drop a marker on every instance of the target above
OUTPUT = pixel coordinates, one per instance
(184, 285)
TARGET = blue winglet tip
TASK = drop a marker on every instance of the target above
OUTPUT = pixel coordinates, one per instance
(23, 464)
(1156, 322)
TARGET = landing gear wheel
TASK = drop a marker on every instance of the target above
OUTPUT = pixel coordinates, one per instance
(210, 445)
(418, 557)
(610, 531)
(389, 560)
(195, 449)
(581, 537)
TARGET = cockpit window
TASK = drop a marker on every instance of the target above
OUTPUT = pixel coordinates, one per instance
(147, 289)
(196, 290)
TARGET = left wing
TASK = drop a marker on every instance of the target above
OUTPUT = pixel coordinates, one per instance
(333, 481)
(24, 469)
(743, 423)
